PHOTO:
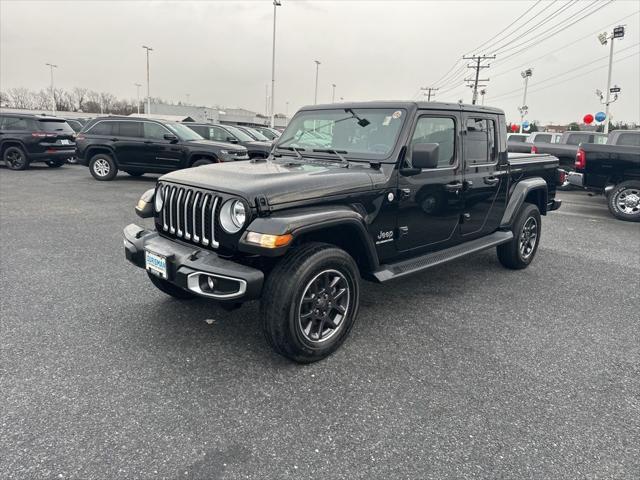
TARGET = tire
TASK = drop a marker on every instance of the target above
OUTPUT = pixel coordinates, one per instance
(15, 158)
(103, 167)
(55, 163)
(170, 289)
(136, 174)
(624, 201)
(300, 330)
(520, 252)
(201, 162)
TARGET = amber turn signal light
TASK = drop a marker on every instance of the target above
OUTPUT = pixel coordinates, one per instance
(268, 241)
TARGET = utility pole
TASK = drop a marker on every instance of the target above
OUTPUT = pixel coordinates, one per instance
(477, 67)
(53, 95)
(138, 85)
(524, 109)
(618, 32)
(429, 90)
(333, 94)
(315, 97)
(148, 49)
(276, 4)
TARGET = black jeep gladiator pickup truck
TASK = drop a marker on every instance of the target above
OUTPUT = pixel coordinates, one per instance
(377, 190)
(612, 169)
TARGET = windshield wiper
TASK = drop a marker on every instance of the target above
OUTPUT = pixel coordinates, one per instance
(297, 150)
(338, 153)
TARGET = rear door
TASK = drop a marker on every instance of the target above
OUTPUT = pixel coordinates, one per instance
(485, 176)
(129, 145)
(160, 153)
(430, 202)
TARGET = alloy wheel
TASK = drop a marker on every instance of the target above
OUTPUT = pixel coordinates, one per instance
(528, 238)
(628, 201)
(101, 167)
(15, 159)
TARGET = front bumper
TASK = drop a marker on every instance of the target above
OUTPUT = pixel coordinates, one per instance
(575, 179)
(189, 267)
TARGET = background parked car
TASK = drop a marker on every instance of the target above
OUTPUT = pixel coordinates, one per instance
(253, 133)
(25, 139)
(567, 146)
(533, 139)
(271, 133)
(140, 146)
(231, 134)
(77, 123)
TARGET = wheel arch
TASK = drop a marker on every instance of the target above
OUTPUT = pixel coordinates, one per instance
(530, 190)
(4, 144)
(95, 150)
(195, 156)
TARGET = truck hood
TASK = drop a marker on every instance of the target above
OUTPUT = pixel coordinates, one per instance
(215, 146)
(279, 181)
(260, 145)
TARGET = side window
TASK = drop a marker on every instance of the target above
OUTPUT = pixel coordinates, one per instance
(154, 131)
(440, 130)
(601, 139)
(574, 139)
(102, 128)
(544, 138)
(629, 139)
(15, 123)
(218, 134)
(480, 142)
(130, 129)
(202, 131)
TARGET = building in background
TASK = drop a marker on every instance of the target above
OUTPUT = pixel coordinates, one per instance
(234, 116)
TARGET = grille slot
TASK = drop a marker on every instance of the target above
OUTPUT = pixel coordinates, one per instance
(190, 214)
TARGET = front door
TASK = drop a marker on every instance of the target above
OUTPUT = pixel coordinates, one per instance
(485, 176)
(161, 154)
(430, 202)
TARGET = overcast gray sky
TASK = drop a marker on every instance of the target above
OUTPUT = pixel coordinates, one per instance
(219, 52)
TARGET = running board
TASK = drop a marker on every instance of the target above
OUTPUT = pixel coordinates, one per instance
(390, 271)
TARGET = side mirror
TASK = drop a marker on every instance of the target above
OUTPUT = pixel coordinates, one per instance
(232, 140)
(425, 155)
(171, 137)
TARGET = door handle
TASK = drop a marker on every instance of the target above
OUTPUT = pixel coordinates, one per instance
(491, 180)
(453, 187)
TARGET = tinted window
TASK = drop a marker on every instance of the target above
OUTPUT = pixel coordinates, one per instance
(77, 126)
(201, 130)
(15, 123)
(154, 131)
(102, 128)
(517, 138)
(55, 126)
(130, 129)
(268, 133)
(480, 142)
(629, 139)
(544, 138)
(576, 139)
(239, 134)
(218, 134)
(437, 130)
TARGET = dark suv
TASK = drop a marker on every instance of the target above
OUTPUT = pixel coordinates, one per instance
(229, 133)
(140, 146)
(25, 139)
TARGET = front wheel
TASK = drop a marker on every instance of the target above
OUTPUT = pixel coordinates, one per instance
(310, 302)
(55, 163)
(521, 250)
(170, 289)
(624, 201)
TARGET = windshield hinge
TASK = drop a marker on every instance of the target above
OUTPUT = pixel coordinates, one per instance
(262, 205)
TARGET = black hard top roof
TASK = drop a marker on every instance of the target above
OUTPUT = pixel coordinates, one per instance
(409, 105)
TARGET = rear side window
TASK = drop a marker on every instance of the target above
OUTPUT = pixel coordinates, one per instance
(440, 130)
(480, 141)
(543, 138)
(629, 139)
(102, 128)
(55, 126)
(130, 129)
(15, 123)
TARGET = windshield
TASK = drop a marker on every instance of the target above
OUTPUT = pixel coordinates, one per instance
(255, 133)
(183, 132)
(360, 133)
(239, 134)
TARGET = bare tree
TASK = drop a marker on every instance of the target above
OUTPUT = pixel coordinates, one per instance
(20, 98)
(79, 96)
(107, 100)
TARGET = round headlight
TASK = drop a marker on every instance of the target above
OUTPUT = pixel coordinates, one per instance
(233, 214)
(159, 200)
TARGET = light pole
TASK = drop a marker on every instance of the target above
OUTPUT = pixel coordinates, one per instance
(333, 95)
(526, 74)
(138, 85)
(483, 92)
(315, 97)
(53, 95)
(276, 4)
(286, 111)
(618, 32)
(148, 49)
(188, 95)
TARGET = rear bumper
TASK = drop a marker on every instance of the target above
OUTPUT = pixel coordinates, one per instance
(189, 267)
(576, 179)
(52, 155)
(554, 205)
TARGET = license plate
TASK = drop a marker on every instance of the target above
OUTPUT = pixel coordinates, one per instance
(156, 264)
(65, 142)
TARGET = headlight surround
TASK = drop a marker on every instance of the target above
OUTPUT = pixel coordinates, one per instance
(159, 199)
(233, 216)
(224, 152)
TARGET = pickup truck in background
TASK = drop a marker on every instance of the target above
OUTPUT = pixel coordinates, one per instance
(612, 169)
(567, 146)
(535, 138)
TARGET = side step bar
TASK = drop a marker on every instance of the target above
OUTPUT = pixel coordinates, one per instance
(390, 271)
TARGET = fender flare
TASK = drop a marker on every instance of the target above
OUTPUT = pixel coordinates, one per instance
(90, 152)
(519, 194)
(207, 154)
(302, 221)
(13, 142)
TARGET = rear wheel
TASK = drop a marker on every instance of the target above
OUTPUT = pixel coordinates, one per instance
(310, 302)
(15, 158)
(56, 163)
(170, 289)
(521, 250)
(102, 167)
(624, 201)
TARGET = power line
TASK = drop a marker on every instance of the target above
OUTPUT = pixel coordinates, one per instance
(477, 67)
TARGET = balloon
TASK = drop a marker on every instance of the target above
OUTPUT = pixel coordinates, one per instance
(514, 128)
(526, 125)
(600, 117)
(588, 119)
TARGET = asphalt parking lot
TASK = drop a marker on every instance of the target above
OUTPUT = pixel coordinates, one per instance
(466, 371)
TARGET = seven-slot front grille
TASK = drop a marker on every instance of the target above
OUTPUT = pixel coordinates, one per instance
(189, 214)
